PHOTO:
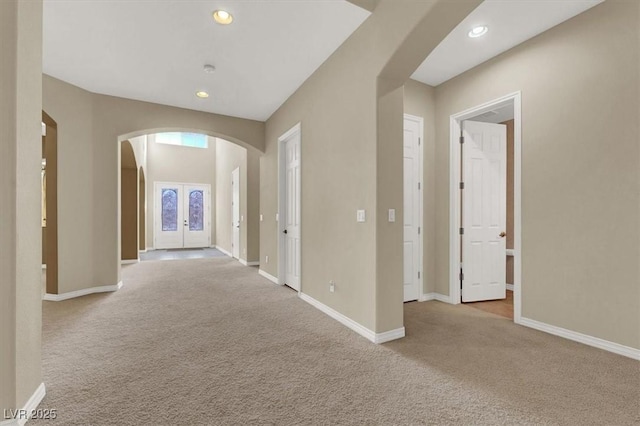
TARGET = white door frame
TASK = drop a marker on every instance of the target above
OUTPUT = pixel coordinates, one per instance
(420, 122)
(235, 206)
(282, 200)
(454, 197)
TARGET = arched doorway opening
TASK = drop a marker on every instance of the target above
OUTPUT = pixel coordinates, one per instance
(129, 182)
(49, 178)
(184, 166)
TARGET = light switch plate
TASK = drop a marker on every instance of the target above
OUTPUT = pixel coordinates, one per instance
(277, 216)
(392, 215)
(361, 216)
(261, 218)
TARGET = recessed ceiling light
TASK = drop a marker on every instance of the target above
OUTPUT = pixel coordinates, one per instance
(202, 95)
(209, 69)
(478, 31)
(223, 17)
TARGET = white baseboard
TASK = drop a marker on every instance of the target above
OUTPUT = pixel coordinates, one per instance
(142, 251)
(24, 414)
(268, 276)
(222, 250)
(358, 328)
(150, 249)
(596, 342)
(129, 261)
(510, 287)
(83, 292)
(434, 296)
(245, 263)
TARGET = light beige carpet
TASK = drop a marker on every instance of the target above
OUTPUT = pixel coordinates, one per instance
(209, 342)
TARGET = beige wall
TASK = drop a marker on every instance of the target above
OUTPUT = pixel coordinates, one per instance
(338, 109)
(21, 147)
(580, 169)
(419, 100)
(90, 126)
(71, 108)
(229, 157)
(180, 164)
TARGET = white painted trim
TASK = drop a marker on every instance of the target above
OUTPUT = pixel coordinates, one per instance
(420, 122)
(297, 129)
(83, 292)
(511, 252)
(510, 287)
(143, 251)
(222, 250)
(150, 249)
(129, 261)
(245, 263)
(582, 338)
(28, 408)
(44, 266)
(454, 199)
(390, 335)
(358, 328)
(434, 296)
(268, 276)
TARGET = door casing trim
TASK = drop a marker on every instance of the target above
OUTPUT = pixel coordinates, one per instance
(455, 204)
(282, 199)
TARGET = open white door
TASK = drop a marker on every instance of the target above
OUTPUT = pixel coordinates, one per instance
(182, 215)
(235, 214)
(484, 211)
(292, 212)
(412, 210)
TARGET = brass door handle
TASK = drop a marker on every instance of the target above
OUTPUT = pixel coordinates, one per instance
(503, 234)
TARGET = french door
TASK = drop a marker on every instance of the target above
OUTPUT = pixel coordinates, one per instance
(182, 215)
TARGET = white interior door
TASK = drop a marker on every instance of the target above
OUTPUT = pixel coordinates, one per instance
(235, 214)
(484, 211)
(197, 216)
(292, 212)
(412, 210)
(182, 215)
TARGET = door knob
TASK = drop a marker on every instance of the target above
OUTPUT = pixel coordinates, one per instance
(503, 234)
(285, 231)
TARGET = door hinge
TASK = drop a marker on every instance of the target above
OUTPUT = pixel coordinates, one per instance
(461, 185)
(461, 231)
(419, 140)
(418, 274)
(418, 230)
(419, 185)
(461, 277)
(461, 139)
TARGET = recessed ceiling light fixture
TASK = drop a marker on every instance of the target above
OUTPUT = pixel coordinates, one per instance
(202, 94)
(478, 31)
(222, 17)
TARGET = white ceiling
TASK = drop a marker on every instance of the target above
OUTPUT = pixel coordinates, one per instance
(155, 50)
(510, 23)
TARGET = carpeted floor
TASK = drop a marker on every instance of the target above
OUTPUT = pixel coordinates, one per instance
(209, 342)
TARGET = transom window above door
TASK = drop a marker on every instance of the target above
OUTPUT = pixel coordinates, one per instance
(192, 140)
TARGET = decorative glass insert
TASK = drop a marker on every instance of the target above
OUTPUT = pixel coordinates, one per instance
(194, 140)
(196, 210)
(169, 209)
